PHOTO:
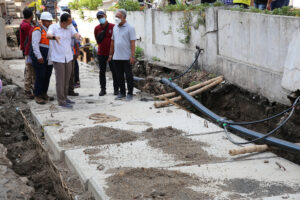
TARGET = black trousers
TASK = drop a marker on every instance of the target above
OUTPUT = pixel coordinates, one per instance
(102, 77)
(43, 73)
(124, 66)
(76, 71)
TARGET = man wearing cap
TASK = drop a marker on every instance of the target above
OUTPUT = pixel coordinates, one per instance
(122, 50)
(103, 33)
(60, 36)
(39, 53)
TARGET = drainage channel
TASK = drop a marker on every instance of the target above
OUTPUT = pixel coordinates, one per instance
(228, 101)
(35, 175)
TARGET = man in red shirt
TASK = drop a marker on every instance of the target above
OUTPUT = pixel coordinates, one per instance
(103, 33)
(25, 29)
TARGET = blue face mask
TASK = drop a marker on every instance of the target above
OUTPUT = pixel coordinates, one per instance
(102, 20)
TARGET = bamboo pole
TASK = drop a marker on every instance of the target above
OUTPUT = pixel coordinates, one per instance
(194, 93)
(251, 149)
(172, 94)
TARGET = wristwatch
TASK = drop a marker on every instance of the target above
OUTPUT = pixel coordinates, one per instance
(53, 37)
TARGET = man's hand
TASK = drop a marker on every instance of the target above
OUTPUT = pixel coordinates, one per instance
(132, 60)
(78, 37)
(109, 58)
(57, 38)
(268, 6)
(41, 60)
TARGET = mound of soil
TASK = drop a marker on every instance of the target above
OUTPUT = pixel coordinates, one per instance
(172, 141)
(99, 135)
(142, 183)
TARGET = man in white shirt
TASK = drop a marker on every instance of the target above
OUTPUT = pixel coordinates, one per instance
(61, 35)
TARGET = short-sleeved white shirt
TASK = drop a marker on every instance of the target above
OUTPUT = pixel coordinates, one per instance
(61, 52)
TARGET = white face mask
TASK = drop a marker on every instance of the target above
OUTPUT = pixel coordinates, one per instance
(117, 20)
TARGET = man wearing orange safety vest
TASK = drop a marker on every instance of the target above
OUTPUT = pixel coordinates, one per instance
(40, 54)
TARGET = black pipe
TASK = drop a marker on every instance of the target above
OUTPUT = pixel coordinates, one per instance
(253, 134)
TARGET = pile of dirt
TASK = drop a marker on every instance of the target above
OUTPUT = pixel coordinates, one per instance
(172, 141)
(141, 183)
(257, 189)
(99, 135)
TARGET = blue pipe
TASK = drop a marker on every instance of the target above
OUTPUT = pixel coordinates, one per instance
(250, 133)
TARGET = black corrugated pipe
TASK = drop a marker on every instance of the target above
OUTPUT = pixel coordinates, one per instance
(253, 134)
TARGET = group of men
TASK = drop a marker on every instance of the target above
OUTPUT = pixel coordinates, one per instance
(260, 4)
(47, 46)
(116, 45)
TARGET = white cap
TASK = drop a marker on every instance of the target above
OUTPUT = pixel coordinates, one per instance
(46, 16)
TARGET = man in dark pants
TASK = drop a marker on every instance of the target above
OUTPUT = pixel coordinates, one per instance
(122, 50)
(103, 33)
(39, 51)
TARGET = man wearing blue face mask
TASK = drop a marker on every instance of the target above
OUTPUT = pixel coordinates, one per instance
(103, 33)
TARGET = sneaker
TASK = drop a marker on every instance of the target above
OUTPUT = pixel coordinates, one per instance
(29, 95)
(72, 93)
(39, 100)
(129, 97)
(102, 93)
(120, 97)
(70, 102)
(66, 105)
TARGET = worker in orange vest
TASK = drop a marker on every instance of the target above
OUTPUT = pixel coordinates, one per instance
(39, 53)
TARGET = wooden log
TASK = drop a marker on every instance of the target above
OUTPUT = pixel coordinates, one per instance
(194, 93)
(251, 149)
(194, 87)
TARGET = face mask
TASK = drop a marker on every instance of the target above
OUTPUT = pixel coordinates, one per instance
(102, 20)
(69, 26)
(117, 20)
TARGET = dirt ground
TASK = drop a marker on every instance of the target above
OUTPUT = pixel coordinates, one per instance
(26, 160)
(172, 141)
(141, 183)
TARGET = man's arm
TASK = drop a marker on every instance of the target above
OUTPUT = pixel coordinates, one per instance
(36, 38)
(111, 50)
(269, 4)
(50, 35)
(132, 46)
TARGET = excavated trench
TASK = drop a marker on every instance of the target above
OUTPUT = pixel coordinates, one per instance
(29, 160)
(226, 100)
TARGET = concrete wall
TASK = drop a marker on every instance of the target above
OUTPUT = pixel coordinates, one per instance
(250, 49)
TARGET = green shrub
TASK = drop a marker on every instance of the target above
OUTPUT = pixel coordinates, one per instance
(139, 52)
(88, 4)
(128, 5)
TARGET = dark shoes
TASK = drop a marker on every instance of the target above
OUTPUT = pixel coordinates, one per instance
(40, 100)
(129, 97)
(70, 102)
(77, 85)
(29, 95)
(47, 98)
(120, 97)
(72, 93)
(66, 105)
(116, 92)
(102, 93)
